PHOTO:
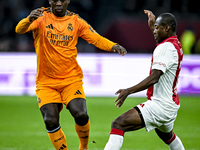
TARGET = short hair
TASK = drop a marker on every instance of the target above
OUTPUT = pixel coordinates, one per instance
(169, 19)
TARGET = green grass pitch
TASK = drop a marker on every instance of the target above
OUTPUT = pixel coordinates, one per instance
(22, 127)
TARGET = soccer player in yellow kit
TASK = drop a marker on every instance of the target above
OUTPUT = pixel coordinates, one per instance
(59, 77)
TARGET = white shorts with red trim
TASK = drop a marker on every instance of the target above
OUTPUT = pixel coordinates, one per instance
(156, 117)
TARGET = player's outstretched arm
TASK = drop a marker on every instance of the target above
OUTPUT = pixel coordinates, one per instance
(23, 26)
(151, 20)
(143, 85)
(120, 49)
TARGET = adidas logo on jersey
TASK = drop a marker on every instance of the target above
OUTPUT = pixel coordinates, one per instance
(77, 92)
(50, 26)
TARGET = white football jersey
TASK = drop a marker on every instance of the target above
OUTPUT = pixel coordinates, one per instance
(167, 57)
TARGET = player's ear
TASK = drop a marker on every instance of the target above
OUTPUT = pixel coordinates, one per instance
(68, 1)
(167, 28)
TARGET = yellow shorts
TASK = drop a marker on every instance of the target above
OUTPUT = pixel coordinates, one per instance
(59, 94)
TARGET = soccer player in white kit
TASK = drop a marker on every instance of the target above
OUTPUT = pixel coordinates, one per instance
(160, 110)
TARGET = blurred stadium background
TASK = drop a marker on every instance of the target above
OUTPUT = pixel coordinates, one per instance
(121, 21)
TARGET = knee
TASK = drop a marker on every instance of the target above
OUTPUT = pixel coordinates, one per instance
(80, 114)
(51, 121)
(116, 124)
(81, 118)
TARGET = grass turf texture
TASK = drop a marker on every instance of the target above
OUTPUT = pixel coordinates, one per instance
(22, 127)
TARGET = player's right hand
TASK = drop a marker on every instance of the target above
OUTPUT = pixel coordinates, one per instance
(35, 14)
(123, 93)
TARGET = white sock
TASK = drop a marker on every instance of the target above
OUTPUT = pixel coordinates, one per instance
(176, 144)
(115, 142)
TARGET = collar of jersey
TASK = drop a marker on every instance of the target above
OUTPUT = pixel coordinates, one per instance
(58, 18)
(172, 37)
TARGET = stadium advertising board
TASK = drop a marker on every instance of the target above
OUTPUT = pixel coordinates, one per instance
(104, 74)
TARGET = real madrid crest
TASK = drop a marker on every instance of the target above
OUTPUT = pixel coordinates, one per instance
(70, 27)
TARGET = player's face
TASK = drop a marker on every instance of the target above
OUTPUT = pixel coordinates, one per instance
(59, 7)
(160, 33)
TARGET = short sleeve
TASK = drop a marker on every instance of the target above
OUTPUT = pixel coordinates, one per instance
(163, 56)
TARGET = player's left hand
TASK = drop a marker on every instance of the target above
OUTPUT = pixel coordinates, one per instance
(120, 49)
(151, 20)
(123, 93)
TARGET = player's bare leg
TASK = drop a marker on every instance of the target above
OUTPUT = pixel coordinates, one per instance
(50, 114)
(77, 108)
(171, 139)
(129, 121)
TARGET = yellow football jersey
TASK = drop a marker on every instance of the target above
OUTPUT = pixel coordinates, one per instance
(55, 40)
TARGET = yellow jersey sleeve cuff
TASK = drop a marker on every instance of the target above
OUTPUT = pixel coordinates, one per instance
(27, 19)
(112, 46)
